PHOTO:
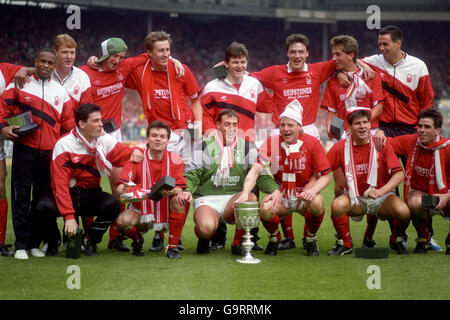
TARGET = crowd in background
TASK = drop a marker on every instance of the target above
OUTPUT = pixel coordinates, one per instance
(200, 40)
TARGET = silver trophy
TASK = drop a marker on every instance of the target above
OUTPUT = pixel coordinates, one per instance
(136, 196)
(247, 218)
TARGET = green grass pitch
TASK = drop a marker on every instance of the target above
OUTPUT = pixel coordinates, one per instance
(288, 276)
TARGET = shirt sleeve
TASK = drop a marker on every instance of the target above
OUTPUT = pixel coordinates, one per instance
(178, 170)
(67, 115)
(328, 100)
(190, 84)
(120, 154)
(377, 90)
(334, 157)
(129, 64)
(392, 162)
(326, 69)
(7, 100)
(60, 179)
(264, 76)
(264, 103)
(425, 92)
(320, 160)
(209, 112)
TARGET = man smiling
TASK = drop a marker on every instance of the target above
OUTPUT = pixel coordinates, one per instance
(51, 108)
(237, 91)
(371, 178)
(427, 173)
(296, 159)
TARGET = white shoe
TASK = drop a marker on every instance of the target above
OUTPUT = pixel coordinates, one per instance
(21, 255)
(37, 253)
(44, 247)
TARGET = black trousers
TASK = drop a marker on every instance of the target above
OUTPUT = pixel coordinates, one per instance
(87, 203)
(30, 182)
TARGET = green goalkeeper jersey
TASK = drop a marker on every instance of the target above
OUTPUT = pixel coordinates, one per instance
(202, 168)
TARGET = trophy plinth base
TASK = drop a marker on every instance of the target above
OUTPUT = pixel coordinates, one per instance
(248, 260)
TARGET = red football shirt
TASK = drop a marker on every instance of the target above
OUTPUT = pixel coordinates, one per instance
(176, 171)
(388, 163)
(334, 98)
(424, 161)
(312, 158)
(108, 87)
(187, 86)
(7, 72)
(303, 86)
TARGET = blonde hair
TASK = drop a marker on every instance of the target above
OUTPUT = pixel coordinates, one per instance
(64, 40)
(154, 36)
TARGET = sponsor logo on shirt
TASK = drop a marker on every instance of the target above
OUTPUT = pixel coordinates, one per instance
(162, 94)
(362, 168)
(297, 93)
(110, 90)
(423, 172)
(57, 101)
(76, 90)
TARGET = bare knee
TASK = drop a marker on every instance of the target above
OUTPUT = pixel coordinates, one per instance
(126, 221)
(265, 210)
(339, 206)
(205, 227)
(316, 205)
(176, 207)
(415, 204)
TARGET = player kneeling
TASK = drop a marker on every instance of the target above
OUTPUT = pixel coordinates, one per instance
(371, 179)
(161, 215)
(296, 160)
(215, 178)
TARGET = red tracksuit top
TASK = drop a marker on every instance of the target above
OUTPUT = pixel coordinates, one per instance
(406, 86)
(51, 108)
(74, 165)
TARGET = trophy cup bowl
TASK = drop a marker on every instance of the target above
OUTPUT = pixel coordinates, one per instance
(247, 218)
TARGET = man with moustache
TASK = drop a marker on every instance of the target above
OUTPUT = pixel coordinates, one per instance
(215, 178)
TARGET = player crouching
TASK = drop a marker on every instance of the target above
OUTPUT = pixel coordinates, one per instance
(215, 178)
(371, 179)
(296, 160)
(161, 215)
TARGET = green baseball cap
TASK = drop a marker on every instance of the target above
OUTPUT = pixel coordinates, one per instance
(112, 46)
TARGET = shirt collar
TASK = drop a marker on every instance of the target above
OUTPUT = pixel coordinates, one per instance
(289, 69)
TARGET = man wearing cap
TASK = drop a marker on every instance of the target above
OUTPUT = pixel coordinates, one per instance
(108, 89)
(371, 178)
(215, 177)
(299, 165)
(51, 109)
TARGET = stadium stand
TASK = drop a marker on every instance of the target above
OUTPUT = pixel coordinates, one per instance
(200, 40)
